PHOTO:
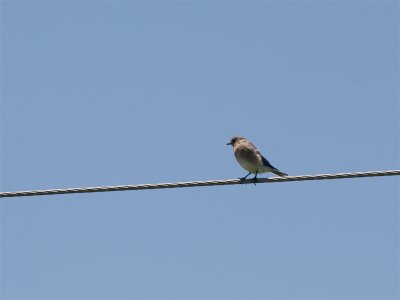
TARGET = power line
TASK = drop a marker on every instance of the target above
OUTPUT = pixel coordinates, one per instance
(197, 184)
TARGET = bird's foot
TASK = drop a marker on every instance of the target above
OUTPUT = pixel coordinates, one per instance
(255, 179)
(242, 179)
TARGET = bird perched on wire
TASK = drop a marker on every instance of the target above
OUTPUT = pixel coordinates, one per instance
(251, 159)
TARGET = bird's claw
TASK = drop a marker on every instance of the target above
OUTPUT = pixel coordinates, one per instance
(242, 179)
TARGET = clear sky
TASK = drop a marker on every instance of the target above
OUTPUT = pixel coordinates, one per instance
(127, 92)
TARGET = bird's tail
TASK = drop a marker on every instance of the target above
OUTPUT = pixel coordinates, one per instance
(279, 173)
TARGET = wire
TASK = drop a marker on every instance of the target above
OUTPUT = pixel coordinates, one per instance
(197, 183)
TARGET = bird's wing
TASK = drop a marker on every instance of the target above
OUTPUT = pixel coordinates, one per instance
(266, 162)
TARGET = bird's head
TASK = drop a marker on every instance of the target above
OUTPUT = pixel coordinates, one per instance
(235, 139)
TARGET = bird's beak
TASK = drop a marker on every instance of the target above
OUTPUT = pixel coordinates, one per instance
(229, 144)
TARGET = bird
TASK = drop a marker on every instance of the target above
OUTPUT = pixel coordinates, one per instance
(251, 159)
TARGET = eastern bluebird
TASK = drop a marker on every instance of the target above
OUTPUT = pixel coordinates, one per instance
(251, 159)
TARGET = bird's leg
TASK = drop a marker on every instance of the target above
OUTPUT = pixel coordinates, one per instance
(255, 178)
(243, 178)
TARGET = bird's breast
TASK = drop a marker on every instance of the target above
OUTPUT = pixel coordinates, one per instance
(248, 159)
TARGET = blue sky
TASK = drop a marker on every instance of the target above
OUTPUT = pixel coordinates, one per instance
(127, 92)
